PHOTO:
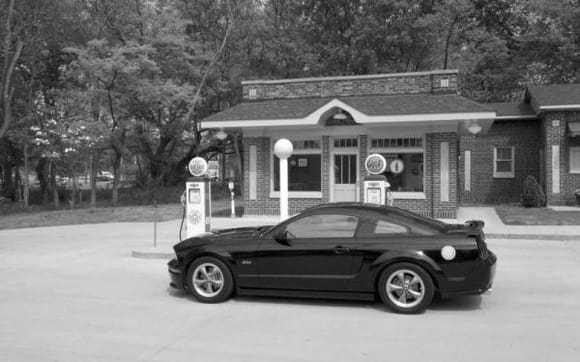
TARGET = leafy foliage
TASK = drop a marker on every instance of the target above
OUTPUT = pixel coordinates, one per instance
(137, 76)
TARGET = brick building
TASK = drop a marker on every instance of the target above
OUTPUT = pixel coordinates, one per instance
(449, 149)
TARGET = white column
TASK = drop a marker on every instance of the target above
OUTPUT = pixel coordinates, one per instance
(253, 178)
(555, 169)
(444, 186)
(467, 178)
(283, 189)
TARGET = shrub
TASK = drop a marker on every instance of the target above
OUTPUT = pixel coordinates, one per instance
(532, 193)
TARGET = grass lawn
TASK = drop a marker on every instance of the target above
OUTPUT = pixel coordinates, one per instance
(517, 215)
(146, 213)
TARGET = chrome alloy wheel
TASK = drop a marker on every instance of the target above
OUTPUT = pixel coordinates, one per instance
(405, 288)
(208, 280)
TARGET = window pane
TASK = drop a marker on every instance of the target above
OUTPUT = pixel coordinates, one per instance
(304, 173)
(411, 178)
(387, 227)
(504, 166)
(504, 153)
(324, 226)
(352, 169)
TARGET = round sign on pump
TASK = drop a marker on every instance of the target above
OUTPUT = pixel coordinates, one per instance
(197, 166)
(375, 164)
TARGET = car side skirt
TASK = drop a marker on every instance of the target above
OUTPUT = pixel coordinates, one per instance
(311, 294)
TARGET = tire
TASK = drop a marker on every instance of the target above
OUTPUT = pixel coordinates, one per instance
(209, 280)
(412, 294)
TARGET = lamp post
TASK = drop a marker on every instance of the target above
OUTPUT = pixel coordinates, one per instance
(231, 187)
(283, 149)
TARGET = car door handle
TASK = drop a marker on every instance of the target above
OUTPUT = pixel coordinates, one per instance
(341, 249)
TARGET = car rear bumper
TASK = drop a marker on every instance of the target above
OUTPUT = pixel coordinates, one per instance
(175, 275)
(479, 281)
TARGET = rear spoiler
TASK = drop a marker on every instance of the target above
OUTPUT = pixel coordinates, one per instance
(475, 224)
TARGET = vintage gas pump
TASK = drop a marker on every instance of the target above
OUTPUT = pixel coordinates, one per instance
(375, 184)
(197, 198)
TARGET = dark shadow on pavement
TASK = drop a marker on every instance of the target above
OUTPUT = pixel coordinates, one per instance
(466, 303)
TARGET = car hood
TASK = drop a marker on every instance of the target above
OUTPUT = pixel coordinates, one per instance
(222, 235)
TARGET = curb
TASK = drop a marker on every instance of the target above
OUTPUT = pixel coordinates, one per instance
(533, 237)
(152, 253)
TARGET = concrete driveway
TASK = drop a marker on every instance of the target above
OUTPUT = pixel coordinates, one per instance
(76, 294)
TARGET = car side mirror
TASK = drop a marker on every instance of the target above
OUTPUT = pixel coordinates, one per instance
(284, 237)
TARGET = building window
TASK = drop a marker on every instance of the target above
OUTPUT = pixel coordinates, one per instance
(304, 169)
(406, 142)
(345, 142)
(405, 165)
(574, 159)
(503, 162)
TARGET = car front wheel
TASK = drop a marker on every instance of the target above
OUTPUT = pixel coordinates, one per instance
(406, 288)
(209, 280)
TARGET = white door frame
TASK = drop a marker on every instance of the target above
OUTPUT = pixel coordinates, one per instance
(343, 151)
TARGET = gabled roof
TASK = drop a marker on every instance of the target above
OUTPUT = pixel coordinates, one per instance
(364, 109)
(554, 97)
(508, 111)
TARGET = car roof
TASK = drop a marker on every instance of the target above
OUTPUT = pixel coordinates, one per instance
(353, 205)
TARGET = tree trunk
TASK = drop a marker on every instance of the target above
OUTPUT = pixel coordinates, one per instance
(26, 191)
(54, 186)
(94, 164)
(116, 174)
(9, 64)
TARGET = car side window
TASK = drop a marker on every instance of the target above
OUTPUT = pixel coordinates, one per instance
(383, 227)
(324, 226)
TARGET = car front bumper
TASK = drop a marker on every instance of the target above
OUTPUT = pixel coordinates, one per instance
(175, 275)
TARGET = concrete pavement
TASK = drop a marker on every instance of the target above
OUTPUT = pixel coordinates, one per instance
(74, 293)
(496, 229)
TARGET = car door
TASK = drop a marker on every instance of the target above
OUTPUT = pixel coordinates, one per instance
(314, 254)
(380, 234)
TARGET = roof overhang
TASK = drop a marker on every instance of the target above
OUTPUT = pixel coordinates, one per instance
(314, 118)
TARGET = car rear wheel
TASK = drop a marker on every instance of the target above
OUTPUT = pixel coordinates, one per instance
(406, 288)
(209, 280)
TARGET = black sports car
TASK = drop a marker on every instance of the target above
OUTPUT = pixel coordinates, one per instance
(341, 250)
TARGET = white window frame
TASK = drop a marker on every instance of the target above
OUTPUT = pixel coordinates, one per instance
(404, 195)
(504, 174)
(297, 194)
(573, 150)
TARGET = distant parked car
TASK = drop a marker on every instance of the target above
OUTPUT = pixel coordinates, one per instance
(343, 250)
(105, 176)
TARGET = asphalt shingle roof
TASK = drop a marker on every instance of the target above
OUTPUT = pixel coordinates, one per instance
(512, 110)
(388, 105)
(555, 95)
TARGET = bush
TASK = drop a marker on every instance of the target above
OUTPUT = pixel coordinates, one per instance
(532, 193)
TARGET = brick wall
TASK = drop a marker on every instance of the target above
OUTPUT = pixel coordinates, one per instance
(555, 134)
(379, 84)
(525, 135)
